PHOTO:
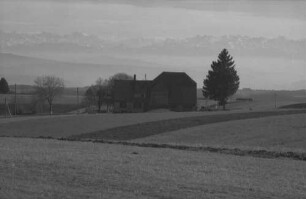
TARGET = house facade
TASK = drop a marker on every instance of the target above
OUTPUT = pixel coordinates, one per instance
(171, 90)
(131, 95)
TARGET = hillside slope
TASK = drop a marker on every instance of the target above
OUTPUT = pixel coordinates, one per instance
(23, 70)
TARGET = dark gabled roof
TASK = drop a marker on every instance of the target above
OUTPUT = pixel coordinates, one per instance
(174, 78)
(125, 89)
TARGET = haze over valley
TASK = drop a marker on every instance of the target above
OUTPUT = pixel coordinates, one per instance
(268, 45)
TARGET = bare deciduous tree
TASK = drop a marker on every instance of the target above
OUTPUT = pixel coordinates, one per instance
(91, 95)
(47, 88)
(102, 91)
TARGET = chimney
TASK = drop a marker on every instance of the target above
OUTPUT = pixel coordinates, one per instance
(134, 77)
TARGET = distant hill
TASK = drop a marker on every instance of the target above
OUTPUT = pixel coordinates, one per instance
(23, 70)
(197, 45)
(22, 89)
(29, 89)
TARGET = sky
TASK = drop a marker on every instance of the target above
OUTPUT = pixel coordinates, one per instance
(160, 19)
(156, 19)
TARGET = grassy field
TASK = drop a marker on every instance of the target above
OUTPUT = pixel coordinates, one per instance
(261, 99)
(67, 125)
(277, 133)
(118, 126)
(27, 104)
(37, 168)
(142, 130)
(49, 168)
(28, 99)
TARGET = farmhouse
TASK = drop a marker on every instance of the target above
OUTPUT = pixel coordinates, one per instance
(172, 90)
(131, 95)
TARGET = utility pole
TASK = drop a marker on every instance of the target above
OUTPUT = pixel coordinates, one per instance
(77, 100)
(15, 107)
(275, 100)
(5, 107)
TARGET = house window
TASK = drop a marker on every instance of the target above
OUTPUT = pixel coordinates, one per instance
(137, 104)
(123, 105)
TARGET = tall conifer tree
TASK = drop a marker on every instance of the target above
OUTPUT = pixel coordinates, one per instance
(222, 81)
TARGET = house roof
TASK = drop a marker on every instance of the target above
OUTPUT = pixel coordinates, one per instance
(126, 89)
(174, 78)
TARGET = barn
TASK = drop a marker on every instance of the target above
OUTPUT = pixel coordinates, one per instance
(170, 90)
(173, 90)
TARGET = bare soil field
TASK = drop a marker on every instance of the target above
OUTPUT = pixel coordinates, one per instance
(38, 168)
(118, 126)
(142, 130)
(66, 125)
(298, 106)
(277, 133)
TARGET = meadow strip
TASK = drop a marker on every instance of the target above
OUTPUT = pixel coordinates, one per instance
(262, 153)
(145, 129)
(230, 151)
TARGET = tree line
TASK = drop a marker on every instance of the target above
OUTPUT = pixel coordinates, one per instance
(102, 91)
(48, 87)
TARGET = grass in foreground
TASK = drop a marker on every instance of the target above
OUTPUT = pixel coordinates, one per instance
(58, 169)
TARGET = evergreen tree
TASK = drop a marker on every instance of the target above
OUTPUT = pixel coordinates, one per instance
(4, 87)
(222, 81)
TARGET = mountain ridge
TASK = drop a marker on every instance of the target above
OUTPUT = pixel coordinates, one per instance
(200, 44)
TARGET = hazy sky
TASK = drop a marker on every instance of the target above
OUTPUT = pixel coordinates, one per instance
(120, 19)
(159, 18)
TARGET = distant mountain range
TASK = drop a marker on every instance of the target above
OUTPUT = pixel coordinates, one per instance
(198, 45)
(80, 59)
